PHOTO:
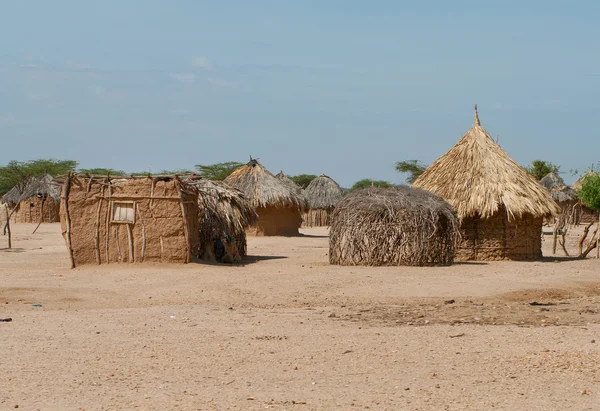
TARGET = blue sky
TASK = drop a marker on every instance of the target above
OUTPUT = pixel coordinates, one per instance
(345, 88)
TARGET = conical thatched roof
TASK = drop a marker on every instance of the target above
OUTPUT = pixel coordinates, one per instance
(262, 188)
(42, 186)
(579, 183)
(559, 191)
(225, 210)
(293, 186)
(478, 178)
(323, 192)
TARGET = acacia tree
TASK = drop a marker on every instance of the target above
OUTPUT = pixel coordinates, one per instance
(540, 168)
(590, 196)
(303, 180)
(414, 168)
(18, 173)
(218, 171)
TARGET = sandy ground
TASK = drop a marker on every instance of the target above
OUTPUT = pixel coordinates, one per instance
(287, 331)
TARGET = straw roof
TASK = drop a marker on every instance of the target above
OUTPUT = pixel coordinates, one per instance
(262, 188)
(293, 186)
(42, 186)
(478, 178)
(225, 210)
(323, 192)
(559, 191)
(393, 226)
(579, 183)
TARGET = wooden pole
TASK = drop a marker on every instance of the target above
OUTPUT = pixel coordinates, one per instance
(7, 228)
(185, 224)
(65, 203)
(41, 216)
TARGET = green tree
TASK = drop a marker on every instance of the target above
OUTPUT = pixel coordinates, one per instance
(303, 180)
(18, 173)
(414, 168)
(367, 182)
(539, 168)
(218, 171)
(590, 191)
(102, 171)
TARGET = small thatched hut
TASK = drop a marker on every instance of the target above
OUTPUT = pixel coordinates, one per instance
(323, 193)
(277, 205)
(224, 214)
(37, 201)
(392, 226)
(500, 206)
(129, 219)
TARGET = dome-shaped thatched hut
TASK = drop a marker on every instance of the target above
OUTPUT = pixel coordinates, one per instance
(392, 226)
(501, 207)
(323, 193)
(38, 200)
(277, 205)
(224, 214)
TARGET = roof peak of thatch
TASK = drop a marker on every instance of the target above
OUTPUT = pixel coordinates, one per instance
(323, 192)
(552, 181)
(263, 189)
(479, 178)
(579, 183)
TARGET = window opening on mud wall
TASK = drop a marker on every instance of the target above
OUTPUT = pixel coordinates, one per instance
(123, 212)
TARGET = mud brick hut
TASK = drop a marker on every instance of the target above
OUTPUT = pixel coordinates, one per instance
(129, 219)
(224, 213)
(36, 201)
(393, 226)
(500, 206)
(323, 194)
(278, 206)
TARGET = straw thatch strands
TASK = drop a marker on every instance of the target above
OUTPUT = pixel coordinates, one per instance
(323, 193)
(579, 183)
(224, 214)
(292, 185)
(129, 219)
(278, 206)
(587, 215)
(392, 226)
(500, 206)
(38, 201)
(560, 192)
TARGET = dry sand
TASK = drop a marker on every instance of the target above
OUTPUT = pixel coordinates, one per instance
(288, 331)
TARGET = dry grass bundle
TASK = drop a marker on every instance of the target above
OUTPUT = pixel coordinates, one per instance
(392, 226)
(224, 213)
(323, 193)
(262, 188)
(478, 178)
(294, 187)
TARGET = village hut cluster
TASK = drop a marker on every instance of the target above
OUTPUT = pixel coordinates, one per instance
(472, 203)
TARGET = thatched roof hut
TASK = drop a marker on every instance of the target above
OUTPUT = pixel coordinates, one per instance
(37, 200)
(560, 192)
(224, 214)
(392, 226)
(129, 219)
(323, 194)
(579, 183)
(501, 207)
(278, 206)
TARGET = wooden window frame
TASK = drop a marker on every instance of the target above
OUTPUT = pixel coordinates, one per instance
(118, 203)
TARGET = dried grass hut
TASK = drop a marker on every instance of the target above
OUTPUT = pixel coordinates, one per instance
(500, 206)
(392, 226)
(38, 201)
(224, 214)
(587, 215)
(323, 194)
(129, 219)
(277, 205)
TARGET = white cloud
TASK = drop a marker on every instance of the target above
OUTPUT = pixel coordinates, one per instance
(202, 62)
(223, 83)
(183, 77)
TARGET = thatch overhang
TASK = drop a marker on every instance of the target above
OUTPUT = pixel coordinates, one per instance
(478, 178)
(323, 193)
(263, 189)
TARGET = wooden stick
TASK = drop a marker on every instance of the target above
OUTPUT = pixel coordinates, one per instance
(162, 248)
(131, 197)
(41, 216)
(185, 225)
(97, 238)
(119, 258)
(137, 206)
(130, 240)
(107, 225)
(65, 203)
(7, 228)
